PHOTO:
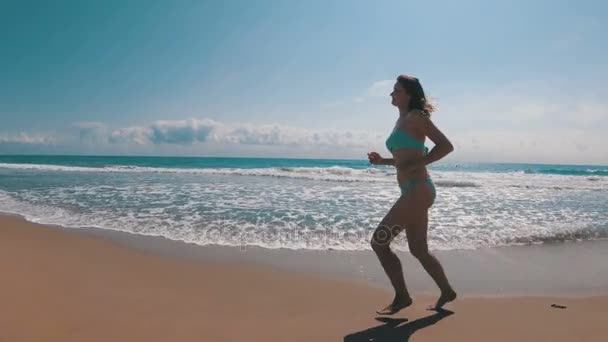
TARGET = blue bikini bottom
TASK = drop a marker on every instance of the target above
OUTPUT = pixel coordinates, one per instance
(407, 184)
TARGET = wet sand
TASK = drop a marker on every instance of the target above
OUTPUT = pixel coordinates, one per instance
(63, 286)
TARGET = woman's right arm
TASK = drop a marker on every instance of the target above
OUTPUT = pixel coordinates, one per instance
(376, 159)
(388, 161)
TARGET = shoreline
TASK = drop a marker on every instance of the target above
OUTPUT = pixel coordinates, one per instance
(62, 286)
(521, 271)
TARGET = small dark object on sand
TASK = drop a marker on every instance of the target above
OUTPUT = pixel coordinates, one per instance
(558, 306)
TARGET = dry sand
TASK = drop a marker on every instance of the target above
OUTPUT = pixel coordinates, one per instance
(61, 286)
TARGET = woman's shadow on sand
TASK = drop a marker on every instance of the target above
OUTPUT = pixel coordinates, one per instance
(393, 331)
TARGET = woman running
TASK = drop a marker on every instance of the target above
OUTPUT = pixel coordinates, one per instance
(410, 211)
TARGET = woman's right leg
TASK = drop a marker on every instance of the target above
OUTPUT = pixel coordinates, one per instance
(387, 230)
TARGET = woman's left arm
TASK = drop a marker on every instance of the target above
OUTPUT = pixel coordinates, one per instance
(442, 147)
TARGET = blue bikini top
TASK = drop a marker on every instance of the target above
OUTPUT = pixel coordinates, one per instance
(400, 139)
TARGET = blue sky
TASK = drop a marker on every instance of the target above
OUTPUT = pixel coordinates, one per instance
(521, 81)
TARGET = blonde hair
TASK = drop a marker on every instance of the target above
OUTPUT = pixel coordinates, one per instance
(417, 98)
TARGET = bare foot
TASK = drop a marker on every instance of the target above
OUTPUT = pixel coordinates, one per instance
(445, 298)
(397, 305)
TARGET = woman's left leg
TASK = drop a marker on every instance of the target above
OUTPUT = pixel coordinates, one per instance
(416, 232)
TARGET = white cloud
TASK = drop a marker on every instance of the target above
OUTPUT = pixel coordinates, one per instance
(201, 131)
(377, 90)
(524, 122)
(92, 132)
(524, 107)
(549, 145)
(590, 113)
(381, 88)
(27, 139)
(182, 131)
(283, 135)
(135, 135)
(527, 123)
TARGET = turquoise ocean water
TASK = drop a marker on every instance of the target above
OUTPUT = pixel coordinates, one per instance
(303, 203)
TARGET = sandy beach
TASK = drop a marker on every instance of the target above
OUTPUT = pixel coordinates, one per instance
(236, 170)
(63, 286)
